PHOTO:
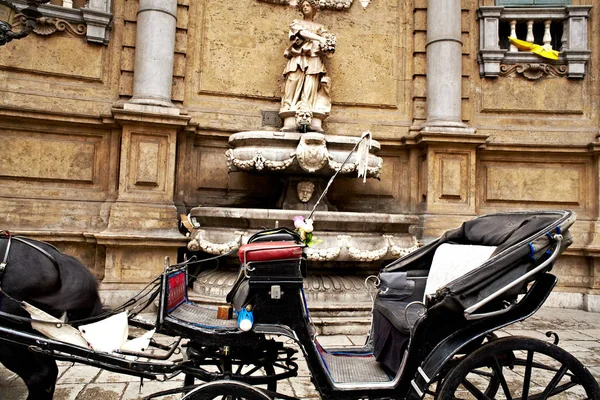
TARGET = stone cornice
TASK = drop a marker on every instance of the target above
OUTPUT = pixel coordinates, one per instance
(142, 117)
(426, 138)
(45, 115)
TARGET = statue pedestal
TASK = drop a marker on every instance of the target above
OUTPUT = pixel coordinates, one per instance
(290, 123)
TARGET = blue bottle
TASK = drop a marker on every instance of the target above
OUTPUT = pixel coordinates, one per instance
(245, 320)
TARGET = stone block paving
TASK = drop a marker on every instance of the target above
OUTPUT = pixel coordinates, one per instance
(579, 332)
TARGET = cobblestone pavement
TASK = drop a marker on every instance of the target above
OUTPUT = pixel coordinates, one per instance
(579, 332)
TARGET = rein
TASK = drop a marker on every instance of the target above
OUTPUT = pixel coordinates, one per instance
(8, 236)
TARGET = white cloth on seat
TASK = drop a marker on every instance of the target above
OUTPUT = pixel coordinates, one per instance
(452, 261)
(107, 335)
(110, 334)
(59, 330)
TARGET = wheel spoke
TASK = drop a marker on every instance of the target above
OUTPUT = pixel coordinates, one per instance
(474, 391)
(554, 382)
(527, 378)
(239, 368)
(253, 370)
(498, 370)
(482, 373)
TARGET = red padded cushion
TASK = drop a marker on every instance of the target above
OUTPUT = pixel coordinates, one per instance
(269, 251)
(177, 290)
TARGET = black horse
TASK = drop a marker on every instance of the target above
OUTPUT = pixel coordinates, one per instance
(39, 274)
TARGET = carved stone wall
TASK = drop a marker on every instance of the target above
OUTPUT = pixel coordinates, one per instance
(106, 183)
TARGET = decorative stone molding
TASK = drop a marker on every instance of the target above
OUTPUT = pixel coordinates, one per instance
(311, 153)
(325, 4)
(398, 251)
(47, 26)
(296, 153)
(335, 248)
(199, 243)
(327, 254)
(574, 48)
(533, 71)
(257, 163)
(96, 17)
(368, 255)
(349, 167)
(321, 287)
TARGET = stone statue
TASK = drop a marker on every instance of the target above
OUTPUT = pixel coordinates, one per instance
(306, 88)
(305, 190)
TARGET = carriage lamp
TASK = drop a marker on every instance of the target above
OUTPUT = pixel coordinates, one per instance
(8, 15)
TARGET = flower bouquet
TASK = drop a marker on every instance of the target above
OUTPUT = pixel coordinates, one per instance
(304, 228)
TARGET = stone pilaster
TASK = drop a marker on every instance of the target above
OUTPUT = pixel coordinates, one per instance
(446, 179)
(154, 53)
(142, 225)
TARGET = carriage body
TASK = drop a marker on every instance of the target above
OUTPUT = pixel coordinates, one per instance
(428, 333)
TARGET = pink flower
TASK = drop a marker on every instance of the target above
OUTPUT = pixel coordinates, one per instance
(298, 222)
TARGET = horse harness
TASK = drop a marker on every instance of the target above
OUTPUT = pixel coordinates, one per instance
(10, 237)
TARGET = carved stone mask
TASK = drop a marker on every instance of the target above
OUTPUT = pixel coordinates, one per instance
(305, 191)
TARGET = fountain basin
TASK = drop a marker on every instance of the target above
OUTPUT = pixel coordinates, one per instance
(298, 153)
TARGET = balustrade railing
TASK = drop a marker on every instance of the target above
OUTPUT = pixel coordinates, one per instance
(546, 32)
(563, 28)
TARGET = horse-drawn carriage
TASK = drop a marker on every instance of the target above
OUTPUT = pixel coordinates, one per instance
(432, 332)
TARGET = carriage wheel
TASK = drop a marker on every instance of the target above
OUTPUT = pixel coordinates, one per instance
(493, 384)
(239, 368)
(257, 370)
(525, 368)
(226, 390)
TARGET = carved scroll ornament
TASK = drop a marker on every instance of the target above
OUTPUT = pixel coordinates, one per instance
(47, 26)
(533, 71)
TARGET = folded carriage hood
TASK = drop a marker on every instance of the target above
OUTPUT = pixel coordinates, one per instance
(521, 239)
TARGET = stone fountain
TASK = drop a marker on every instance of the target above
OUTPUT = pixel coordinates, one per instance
(354, 244)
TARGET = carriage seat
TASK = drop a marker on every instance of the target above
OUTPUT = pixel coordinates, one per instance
(392, 324)
(177, 314)
(261, 252)
(269, 256)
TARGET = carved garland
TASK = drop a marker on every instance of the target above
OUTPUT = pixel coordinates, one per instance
(349, 167)
(533, 71)
(324, 4)
(47, 26)
(201, 244)
(398, 251)
(328, 254)
(259, 162)
(368, 255)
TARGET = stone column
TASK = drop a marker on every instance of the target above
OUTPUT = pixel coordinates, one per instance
(154, 53)
(444, 67)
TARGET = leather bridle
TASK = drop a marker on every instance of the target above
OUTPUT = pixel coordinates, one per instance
(8, 236)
